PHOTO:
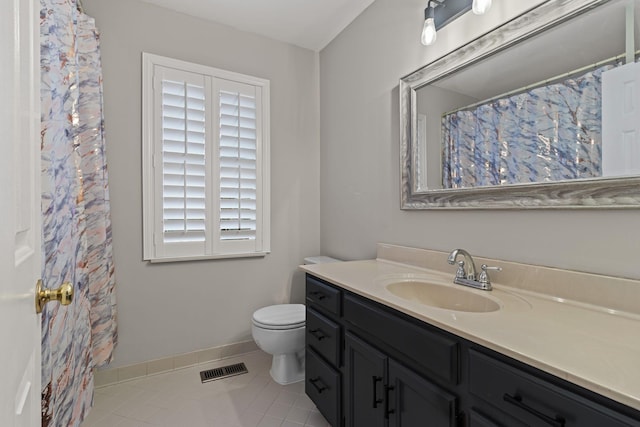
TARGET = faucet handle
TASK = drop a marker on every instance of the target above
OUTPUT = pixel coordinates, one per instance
(484, 276)
(460, 272)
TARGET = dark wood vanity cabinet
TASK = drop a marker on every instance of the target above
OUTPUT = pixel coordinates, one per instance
(368, 365)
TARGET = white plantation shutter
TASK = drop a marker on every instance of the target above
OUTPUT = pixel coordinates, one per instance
(183, 162)
(205, 162)
(238, 157)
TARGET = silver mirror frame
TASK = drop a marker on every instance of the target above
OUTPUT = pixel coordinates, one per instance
(603, 193)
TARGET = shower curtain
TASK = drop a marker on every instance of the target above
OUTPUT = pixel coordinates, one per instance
(76, 227)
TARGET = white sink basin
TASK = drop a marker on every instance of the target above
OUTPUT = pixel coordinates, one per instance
(443, 296)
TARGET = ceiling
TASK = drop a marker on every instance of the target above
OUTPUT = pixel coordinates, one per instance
(311, 24)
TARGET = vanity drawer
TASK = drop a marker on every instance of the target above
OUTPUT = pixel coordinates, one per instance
(433, 352)
(533, 400)
(323, 294)
(323, 335)
(477, 419)
(322, 385)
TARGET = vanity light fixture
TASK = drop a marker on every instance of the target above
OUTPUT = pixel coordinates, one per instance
(439, 13)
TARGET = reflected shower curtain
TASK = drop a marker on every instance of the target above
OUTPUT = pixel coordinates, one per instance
(549, 133)
(76, 227)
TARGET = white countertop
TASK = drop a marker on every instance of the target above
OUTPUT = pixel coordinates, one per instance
(592, 347)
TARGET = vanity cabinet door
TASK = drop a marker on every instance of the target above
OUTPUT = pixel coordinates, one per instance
(365, 376)
(416, 402)
(381, 392)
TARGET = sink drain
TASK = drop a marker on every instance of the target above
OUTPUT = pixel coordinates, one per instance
(223, 372)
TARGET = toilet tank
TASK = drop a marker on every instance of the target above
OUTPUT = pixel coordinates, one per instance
(319, 260)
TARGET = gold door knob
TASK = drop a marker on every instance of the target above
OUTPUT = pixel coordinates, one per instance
(64, 294)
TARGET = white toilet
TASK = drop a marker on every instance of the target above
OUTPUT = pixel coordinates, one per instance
(279, 330)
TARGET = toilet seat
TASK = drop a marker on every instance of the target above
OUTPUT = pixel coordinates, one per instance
(280, 317)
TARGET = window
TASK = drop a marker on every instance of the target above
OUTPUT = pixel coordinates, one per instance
(205, 162)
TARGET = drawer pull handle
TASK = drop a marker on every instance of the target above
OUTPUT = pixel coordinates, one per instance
(318, 294)
(516, 400)
(317, 333)
(314, 382)
(376, 401)
(388, 411)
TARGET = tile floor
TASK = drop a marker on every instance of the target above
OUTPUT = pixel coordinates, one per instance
(179, 399)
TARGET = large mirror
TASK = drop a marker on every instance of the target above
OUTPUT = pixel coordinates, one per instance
(539, 113)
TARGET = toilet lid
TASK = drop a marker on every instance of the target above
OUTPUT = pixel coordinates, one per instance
(282, 316)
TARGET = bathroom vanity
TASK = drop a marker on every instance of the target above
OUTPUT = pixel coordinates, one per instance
(374, 358)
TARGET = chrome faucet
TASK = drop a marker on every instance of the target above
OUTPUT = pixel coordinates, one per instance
(467, 277)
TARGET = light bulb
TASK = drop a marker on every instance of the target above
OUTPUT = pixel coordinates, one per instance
(428, 32)
(480, 7)
(429, 29)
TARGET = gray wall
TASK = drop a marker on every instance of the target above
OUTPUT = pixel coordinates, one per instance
(360, 178)
(168, 309)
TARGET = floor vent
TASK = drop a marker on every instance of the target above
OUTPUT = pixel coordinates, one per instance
(223, 372)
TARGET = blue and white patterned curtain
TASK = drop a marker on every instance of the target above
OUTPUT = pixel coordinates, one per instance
(76, 226)
(550, 133)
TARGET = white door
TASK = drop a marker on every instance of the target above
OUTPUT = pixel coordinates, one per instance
(19, 213)
(621, 121)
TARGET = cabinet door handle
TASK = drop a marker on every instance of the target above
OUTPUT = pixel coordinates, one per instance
(314, 382)
(387, 410)
(516, 400)
(317, 333)
(318, 294)
(375, 391)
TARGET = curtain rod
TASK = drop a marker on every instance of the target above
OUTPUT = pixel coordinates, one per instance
(541, 83)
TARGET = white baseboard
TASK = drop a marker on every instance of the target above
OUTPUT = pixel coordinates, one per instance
(105, 377)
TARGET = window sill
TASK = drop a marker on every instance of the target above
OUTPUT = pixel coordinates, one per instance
(209, 257)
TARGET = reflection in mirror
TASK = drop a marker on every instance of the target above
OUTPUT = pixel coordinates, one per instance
(543, 101)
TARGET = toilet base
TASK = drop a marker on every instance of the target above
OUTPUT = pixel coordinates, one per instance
(287, 368)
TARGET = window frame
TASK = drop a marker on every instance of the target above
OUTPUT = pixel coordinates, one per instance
(154, 247)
